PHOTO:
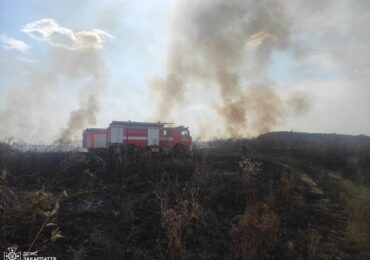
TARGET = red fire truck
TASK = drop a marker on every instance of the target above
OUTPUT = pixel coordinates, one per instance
(137, 135)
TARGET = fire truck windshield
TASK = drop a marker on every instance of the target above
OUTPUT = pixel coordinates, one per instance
(184, 132)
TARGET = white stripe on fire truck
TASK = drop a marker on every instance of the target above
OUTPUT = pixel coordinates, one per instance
(169, 139)
(135, 138)
(144, 138)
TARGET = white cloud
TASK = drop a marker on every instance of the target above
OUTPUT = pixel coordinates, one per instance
(26, 60)
(322, 60)
(336, 107)
(257, 39)
(11, 43)
(61, 37)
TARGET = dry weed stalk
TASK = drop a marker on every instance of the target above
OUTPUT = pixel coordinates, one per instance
(55, 234)
(256, 230)
(8, 199)
(313, 239)
(173, 222)
(176, 219)
(250, 170)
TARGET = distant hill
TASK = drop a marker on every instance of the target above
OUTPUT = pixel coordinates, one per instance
(345, 153)
(305, 140)
(295, 141)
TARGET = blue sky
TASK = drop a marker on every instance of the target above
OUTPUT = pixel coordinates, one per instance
(322, 61)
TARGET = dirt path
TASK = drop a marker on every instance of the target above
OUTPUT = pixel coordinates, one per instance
(323, 214)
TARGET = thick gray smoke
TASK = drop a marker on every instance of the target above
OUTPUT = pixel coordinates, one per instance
(230, 44)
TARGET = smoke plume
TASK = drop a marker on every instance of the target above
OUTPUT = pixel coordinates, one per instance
(227, 46)
(74, 64)
(90, 68)
(86, 65)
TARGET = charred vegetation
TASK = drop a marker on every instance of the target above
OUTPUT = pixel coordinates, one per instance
(282, 195)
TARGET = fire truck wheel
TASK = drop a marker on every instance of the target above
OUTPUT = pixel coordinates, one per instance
(131, 148)
(179, 149)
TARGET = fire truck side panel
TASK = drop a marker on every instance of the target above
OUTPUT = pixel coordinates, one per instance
(153, 136)
(100, 140)
(136, 136)
(95, 138)
(116, 135)
(85, 140)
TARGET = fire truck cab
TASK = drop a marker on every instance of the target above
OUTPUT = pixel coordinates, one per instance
(176, 138)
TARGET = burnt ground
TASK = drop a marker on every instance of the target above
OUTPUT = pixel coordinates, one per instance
(280, 196)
